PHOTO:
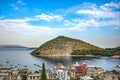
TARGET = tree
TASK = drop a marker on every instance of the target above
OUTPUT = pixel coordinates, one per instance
(95, 77)
(24, 77)
(43, 76)
(57, 79)
(78, 78)
(71, 78)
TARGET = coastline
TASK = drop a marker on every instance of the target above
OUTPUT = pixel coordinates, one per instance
(89, 56)
(116, 56)
(94, 56)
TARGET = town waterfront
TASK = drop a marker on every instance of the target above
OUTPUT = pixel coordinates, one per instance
(22, 58)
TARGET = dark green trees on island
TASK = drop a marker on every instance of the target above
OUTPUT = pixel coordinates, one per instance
(65, 46)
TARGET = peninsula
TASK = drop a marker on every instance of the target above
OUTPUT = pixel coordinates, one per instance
(66, 46)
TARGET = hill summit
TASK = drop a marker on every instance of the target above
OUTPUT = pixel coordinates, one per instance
(65, 46)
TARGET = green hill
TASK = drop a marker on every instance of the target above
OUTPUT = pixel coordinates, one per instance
(114, 51)
(65, 46)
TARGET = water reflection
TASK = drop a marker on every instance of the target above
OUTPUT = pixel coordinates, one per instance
(58, 59)
(67, 60)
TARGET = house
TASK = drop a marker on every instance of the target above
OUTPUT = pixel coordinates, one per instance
(80, 69)
(94, 70)
(15, 75)
(71, 72)
(51, 75)
(86, 78)
(10, 74)
(61, 72)
(34, 76)
(25, 71)
(5, 71)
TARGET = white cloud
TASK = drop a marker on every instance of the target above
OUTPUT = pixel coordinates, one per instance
(20, 2)
(50, 17)
(113, 23)
(90, 12)
(45, 17)
(103, 11)
(100, 13)
(112, 4)
(104, 15)
(98, 16)
(21, 26)
(14, 6)
(81, 24)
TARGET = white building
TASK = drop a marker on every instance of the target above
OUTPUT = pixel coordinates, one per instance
(61, 72)
(94, 70)
(34, 76)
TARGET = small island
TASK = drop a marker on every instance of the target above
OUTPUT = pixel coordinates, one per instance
(66, 46)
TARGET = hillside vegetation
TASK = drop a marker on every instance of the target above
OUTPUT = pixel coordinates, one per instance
(65, 46)
(113, 51)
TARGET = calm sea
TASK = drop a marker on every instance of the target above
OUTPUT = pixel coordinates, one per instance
(21, 57)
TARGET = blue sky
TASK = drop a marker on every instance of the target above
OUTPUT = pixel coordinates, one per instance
(33, 22)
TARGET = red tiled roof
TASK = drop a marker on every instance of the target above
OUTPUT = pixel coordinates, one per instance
(58, 68)
(70, 66)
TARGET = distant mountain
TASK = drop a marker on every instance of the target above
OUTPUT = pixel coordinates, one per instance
(12, 46)
(65, 46)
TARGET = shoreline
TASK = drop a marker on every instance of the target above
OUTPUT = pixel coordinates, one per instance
(75, 56)
(66, 55)
(116, 56)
